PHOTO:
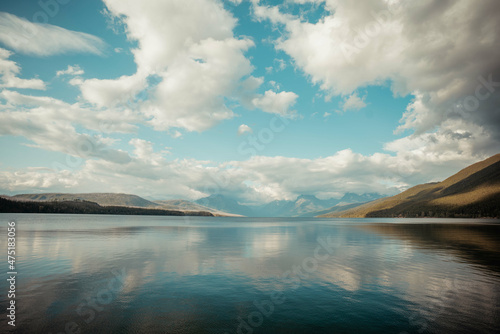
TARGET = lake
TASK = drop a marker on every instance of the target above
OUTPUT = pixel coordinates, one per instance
(146, 274)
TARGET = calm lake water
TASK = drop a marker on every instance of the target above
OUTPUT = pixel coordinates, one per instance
(140, 274)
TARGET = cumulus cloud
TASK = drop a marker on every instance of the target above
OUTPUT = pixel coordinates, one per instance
(9, 72)
(39, 39)
(111, 92)
(71, 70)
(143, 150)
(191, 93)
(276, 103)
(50, 124)
(243, 128)
(443, 53)
(278, 65)
(353, 102)
(176, 134)
(257, 180)
(196, 60)
(35, 179)
(189, 64)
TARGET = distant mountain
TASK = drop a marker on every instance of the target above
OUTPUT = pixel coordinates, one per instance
(103, 199)
(336, 208)
(310, 203)
(274, 209)
(351, 198)
(225, 204)
(348, 201)
(310, 206)
(111, 199)
(472, 192)
(218, 205)
(303, 204)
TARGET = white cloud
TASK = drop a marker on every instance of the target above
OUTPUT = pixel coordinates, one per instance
(191, 93)
(259, 179)
(71, 70)
(243, 128)
(377, 42)
(111, 92)
(28, 180)
(278, 65)
(281, 64)
(276, 103)
(353, 102)
(9, 72)
(326, 114)
(189, 64)
(176, 134)
(50, 124)
(143, 150)
(39, 39)
(194, 57)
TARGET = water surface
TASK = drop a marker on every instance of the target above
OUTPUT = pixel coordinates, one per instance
(145, 274)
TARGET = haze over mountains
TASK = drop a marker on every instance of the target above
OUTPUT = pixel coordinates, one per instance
(304, 205)
(219, 205)
(472, 192)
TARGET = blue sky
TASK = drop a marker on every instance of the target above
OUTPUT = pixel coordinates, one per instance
(176, 82)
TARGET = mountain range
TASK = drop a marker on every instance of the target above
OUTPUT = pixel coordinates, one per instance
(103, 199)
(303, 205)
(217, 204)
(117, 199)
(472, 192)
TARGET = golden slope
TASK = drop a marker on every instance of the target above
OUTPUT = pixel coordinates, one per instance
(472, 192)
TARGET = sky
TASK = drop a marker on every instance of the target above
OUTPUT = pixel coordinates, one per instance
(258, 100)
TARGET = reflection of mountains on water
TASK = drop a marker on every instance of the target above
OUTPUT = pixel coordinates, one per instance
(475, 244)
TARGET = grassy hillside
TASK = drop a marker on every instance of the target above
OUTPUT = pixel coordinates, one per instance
(472, 192)
(103, 199)
(86, 207)
(336, 208)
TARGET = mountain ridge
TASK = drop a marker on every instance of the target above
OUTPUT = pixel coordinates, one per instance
(472, 192)
(86, 207)
(116, 200)
(304, 205)
(103, 199)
